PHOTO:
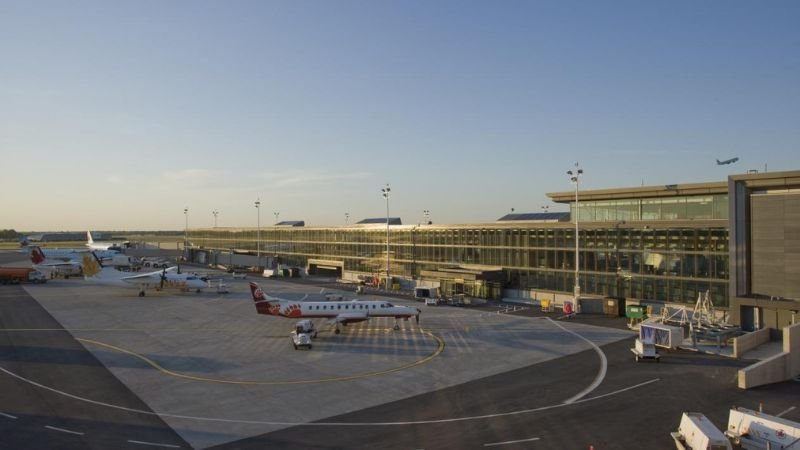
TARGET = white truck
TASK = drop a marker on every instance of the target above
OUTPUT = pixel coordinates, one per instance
(302, 334)
(696, 432)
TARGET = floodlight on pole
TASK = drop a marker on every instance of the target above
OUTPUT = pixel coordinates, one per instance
(346, 218)
(215, 213)
(385, 192)
(186, 230)
(258, 232)
(427, 214)
(575, 177)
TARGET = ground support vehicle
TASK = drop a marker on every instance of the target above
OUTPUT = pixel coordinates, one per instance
(303, 333)
(16, 275)
(644, 349)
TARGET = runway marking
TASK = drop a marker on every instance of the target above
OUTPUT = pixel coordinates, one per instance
(601, 374)
(63, 430)
(510, 442)
(155, 365)
(8, 415)
(154, 444)
(788, 410)
(327, 424)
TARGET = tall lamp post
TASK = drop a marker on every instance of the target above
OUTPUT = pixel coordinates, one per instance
(346, 218)
(215, 213)
(616, 256)
(575, 177)
(185, 228)
(277, 235)
(427, 214)
(385, 192)
(258, 232)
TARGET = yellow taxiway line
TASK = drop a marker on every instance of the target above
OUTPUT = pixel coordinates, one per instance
(155, 365)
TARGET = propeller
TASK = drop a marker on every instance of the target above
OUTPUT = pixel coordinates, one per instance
(163, 277)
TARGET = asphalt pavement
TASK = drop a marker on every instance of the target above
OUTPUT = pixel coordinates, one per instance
(32, 417)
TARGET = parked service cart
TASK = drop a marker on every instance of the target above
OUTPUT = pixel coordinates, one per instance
(665, 336)
(645, 350)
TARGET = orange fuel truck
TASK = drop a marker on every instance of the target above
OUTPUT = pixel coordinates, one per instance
(16, 275)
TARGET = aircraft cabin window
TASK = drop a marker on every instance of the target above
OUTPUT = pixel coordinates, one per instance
(373, 306)
(338, 306)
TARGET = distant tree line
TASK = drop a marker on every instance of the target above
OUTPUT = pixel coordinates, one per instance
(9, 234)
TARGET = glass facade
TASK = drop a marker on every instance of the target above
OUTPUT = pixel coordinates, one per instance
(660, 264)
(694, 207)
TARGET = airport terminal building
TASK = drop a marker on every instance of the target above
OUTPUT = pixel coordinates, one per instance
(737, 239)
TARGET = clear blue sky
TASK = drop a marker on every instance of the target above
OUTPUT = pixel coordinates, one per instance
(117, 115)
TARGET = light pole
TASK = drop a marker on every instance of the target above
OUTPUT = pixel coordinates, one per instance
(386, 191)
(258, 232)
(346, 218)
(185, 228)
(215, 213)
(277, 236)
(427, 213)
(546, 209)
(575, 177)
(616, 256)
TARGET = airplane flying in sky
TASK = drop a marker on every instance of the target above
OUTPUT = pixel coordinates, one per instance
(337, 312)
(727, 161)
(94, 271)
(100, 245)
(64, 268)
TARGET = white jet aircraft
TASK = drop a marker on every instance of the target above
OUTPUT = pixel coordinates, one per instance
(64, 268)
(100, 245)
(94, 271)
(75, 255)
(337, 312)
(727, 161)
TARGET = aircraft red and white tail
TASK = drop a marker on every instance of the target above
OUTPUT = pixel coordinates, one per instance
(37, 256)
(263, 304)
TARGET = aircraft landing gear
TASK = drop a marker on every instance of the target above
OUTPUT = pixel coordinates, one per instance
(141, 293)
(336, 330)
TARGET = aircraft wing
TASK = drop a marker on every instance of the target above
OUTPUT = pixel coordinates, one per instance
(59, 264)
(143, 277)
(354, 316)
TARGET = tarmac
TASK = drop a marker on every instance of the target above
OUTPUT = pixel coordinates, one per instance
(187, 370)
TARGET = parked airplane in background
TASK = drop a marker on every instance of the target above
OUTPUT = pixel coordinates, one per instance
(94, 271)
(727, 161)
(107, 257)
(337, 312)
(100, 245)
(64, 268)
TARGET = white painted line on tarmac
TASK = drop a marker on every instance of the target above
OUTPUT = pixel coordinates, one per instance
(326, 424)
(7, 415)
(154, 444)
(63, 430)
(601, 374)
(510, 442)
(790, 409)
